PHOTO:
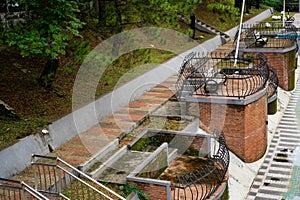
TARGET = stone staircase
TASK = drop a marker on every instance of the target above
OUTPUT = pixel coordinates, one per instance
(202, 26)
(205, 27)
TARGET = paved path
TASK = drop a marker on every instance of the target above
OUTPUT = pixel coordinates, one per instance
(278, 176)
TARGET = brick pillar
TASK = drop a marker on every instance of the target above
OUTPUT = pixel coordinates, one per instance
(283, 61)
(285, 65)
(244, 126)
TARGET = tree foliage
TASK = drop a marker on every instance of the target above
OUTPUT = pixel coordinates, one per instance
(43, 28)
(276, 4)
(224, 7)
(119, 14)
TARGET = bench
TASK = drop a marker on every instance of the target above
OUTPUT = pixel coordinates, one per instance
(255, 38)
(213, 80)
(259, 40)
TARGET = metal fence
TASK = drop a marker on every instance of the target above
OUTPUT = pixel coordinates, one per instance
(220, 74)
(272, 86)
(55, 177)
(17, 190)
(206, 180)
(268, 35)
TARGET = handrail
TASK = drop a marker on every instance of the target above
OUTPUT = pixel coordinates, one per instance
(215, 75)
(273, 85)
(63, 174)
(205, 181)
(13, 189)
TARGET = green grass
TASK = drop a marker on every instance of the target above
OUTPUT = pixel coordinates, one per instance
(13, 130)
(130, 66)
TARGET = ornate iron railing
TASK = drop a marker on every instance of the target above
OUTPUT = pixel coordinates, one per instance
(272, 86)
(17, 190)
(205, 181)
(220, 74)
(55, 177)
(268, 35)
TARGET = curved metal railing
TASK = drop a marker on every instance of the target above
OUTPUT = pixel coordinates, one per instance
(272, 86)
(205, 181)
(217, 74)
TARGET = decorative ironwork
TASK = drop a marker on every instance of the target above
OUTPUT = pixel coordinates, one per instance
(220, 74)
(268, 35)
(56, 178)
(205, 181)
(272, 86)
(17, 190)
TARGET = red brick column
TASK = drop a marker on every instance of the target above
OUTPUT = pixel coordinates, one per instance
(284, 62)
(244, 126)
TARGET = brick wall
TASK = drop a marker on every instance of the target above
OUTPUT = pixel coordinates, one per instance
(152, 191)
(285, 64)
(244, 127)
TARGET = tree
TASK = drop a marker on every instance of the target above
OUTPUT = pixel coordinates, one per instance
(257, 4)
(44, 28)
(119, 14)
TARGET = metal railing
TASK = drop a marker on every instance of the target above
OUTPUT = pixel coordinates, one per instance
(17, 190)
(272, 86)
(55, 177)
(217, 74)
(268, 35)
(206, 180)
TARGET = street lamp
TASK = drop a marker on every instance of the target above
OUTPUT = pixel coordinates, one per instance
(239, 35)
(283, 13)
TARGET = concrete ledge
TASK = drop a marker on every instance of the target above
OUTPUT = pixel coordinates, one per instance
(108, 162)
(18, 156)
(111, 146)
(149, 159)
(269, 50)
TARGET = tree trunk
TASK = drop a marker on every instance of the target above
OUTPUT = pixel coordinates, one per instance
(101, 21)
(257, 5)
(238, 4)
(47, 77)
(118, 26)
(193, 24)
(248, 6)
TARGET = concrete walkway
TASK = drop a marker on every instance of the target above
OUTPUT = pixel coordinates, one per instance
(278, 177)
(280, 169)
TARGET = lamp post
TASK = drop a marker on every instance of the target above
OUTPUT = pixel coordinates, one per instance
(283, 13)
(239, 35)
